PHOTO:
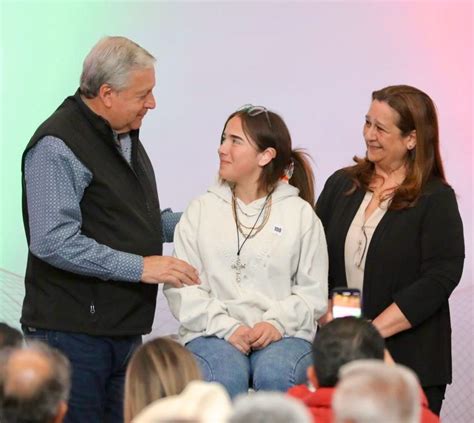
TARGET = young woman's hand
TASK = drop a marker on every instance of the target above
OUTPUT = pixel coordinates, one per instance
(240, 339)
(263, 334)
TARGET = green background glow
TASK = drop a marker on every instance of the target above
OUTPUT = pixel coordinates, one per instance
(43, 45)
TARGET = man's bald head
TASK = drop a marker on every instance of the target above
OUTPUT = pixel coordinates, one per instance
(34, 384)
(26, 372)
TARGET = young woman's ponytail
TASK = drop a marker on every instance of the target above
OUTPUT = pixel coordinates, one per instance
(303, 177)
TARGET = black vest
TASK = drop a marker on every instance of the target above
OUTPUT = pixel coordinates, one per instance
(120, 209)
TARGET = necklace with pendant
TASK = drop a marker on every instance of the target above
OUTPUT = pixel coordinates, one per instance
(238, 265)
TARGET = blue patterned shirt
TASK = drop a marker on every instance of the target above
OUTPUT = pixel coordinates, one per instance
(55, 183)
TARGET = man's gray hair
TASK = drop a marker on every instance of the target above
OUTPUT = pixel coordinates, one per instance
(263, 407)
(371, 391)
(110, 62)
(32, 395)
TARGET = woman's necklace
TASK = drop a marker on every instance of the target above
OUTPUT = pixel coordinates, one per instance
(238, 265)
(385, 189)
(241, 211)
(254, 230)
(382, 194)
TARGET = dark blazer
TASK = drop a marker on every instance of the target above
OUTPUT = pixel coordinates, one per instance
(415, 259)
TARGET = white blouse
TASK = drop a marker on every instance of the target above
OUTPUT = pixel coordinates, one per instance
(358, 240)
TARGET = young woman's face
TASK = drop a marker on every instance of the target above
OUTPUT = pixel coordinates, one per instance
(238, 154)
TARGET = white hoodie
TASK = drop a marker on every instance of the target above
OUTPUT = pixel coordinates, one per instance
(285, 279)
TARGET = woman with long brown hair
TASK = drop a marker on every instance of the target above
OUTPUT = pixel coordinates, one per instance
(262, 260)
(394, 231)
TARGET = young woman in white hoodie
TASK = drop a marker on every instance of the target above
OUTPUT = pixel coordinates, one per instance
(261, 254)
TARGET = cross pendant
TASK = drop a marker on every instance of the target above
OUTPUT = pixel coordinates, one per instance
(238, 266)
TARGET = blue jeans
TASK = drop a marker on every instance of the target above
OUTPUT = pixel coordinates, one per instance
(98, 372)
(277, 367)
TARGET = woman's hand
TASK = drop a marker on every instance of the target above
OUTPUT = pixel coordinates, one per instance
(263, 334)
(326, 317)
(387, 357)
(240, 339)
(391, 321)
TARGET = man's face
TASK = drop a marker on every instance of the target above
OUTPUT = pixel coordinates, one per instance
(128, 107)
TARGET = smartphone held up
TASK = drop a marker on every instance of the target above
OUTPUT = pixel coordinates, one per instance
(346, 302)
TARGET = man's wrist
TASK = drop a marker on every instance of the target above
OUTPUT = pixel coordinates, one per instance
(129, 267)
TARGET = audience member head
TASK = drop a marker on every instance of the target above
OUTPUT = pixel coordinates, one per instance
(200, 402)
(339, 342)
(159, 368)
(275, 407)
(371, 391)
(9, 337)
(34, 384)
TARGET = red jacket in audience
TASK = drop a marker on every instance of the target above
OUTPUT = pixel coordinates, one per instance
(319, 404)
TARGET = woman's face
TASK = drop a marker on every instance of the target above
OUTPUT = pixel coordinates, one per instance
(238, 154)
(386, 147)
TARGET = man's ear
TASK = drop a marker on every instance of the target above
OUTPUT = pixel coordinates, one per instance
(267, 156)
(311, 374)
(105, 94)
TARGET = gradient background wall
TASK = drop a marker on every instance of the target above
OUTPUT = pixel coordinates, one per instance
(316, 63)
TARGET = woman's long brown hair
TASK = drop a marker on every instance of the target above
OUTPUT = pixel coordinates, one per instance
(416, 112)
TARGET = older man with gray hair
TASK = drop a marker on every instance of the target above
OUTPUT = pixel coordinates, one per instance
(274, 407)
(34, 384)
(371, 391)
(95, 228)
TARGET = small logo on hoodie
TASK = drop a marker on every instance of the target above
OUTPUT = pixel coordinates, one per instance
(277, 229)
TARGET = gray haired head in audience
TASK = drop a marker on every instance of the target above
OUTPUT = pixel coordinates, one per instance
(371, 391)
(263, 407)
(34, 384)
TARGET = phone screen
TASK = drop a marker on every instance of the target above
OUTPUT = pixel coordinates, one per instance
(346, 303)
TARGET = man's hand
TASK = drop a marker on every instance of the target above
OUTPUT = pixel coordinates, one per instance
(240, 339)
(165, 269)
(263, 334)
